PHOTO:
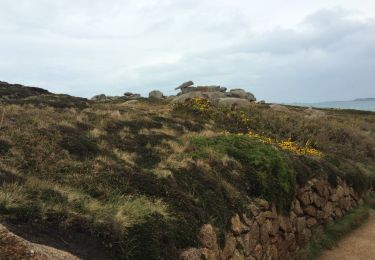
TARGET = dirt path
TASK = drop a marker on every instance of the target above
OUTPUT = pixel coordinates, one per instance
(358, 245)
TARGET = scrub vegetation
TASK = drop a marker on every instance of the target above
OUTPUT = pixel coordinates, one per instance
(143, 177)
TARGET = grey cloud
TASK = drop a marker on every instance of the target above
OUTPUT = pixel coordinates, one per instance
(86, 47)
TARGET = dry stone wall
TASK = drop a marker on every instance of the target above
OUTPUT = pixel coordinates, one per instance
(266, 234)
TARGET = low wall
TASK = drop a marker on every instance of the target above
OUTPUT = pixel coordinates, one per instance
(269, 235)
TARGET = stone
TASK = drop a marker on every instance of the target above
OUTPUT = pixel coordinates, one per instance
(230, 246)
(240, 93)
(265, 231)
(304, 198)
(334, 197)
(310, 222)
(234, 102)
(237, 226)
(301, 224)
(255, 231)
(261, 218)
(254, 209)
(248, 221)
(317, 200)
(156, 94)
(290, 240)
(310, 210)
(187, 96)
(272, 253)
(249, 243)
(262, 204)
(250, 257)
(237, 255)
(297, 208)
(207, 237)
(320, 215)
(185, 85)
(275, 227)
(100, 97)
(284, 223)
(208, 254)
(340, 191)
(191, 254)
(328, 210)
(338, 213)
(258, 252)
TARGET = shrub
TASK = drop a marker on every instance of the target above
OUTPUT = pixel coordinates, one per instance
(265, 171)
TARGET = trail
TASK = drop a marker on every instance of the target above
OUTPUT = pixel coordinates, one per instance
(358, 245)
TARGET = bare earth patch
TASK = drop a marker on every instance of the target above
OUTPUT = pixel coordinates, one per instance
(357, 245)
(15, 247)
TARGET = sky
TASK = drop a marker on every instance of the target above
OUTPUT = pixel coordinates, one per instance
(280, 50)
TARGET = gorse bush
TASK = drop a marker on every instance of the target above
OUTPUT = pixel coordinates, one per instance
(264, 173)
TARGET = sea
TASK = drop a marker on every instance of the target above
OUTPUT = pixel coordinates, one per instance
(358, 105)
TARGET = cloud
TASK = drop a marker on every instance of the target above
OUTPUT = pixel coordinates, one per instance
(294, 52)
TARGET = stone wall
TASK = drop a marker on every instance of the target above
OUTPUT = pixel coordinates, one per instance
(270, 235)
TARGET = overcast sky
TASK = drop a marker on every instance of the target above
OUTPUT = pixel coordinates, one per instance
(281, 50)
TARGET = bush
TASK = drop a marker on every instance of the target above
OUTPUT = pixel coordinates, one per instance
(4, 146)
(265, 172)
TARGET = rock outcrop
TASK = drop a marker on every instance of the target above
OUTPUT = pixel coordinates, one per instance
(267, 234)
(156, 94)
(216, 94)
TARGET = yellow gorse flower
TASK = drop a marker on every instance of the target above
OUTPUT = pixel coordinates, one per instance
(287, 145)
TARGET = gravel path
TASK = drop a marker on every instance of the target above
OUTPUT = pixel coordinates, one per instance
(358, 245)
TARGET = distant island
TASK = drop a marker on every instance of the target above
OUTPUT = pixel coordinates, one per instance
(364, 99)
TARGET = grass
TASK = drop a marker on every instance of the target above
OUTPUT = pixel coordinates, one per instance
(324, 239)
(144, 177)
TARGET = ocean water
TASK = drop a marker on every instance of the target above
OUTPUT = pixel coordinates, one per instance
(358, 105)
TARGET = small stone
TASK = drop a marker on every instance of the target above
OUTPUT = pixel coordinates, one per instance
(304, 198)
(310, 222)
(254, 209)
(285, 224)
(230, 246)
(207, 237)
(237, 255)
(249, 243)
(297, 208)
(237, 226)
(263, 204)
(258, 252)
(310, 210)
(191, 254)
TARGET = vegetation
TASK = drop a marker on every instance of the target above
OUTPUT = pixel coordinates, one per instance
(144, 177)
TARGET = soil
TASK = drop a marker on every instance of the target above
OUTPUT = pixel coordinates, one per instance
(34, 242)
(358, 245)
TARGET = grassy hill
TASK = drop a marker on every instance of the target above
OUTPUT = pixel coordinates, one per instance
(142, 177)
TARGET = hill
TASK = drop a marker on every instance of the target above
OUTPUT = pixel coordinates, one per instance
(140, 178)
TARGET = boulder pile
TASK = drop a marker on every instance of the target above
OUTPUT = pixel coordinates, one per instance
(126, 96)
(268, 234)
(216, 94)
